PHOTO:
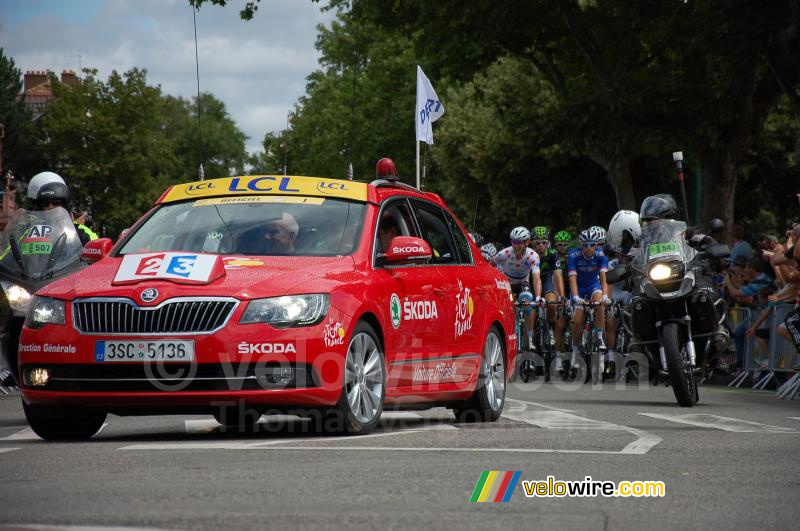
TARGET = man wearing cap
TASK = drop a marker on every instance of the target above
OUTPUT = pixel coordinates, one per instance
(280, 234)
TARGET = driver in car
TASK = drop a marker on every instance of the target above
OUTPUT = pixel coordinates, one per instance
(280, 234)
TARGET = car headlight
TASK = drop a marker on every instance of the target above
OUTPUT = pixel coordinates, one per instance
(46, 310)
(18, 297)
(665, 271)
(287, 311)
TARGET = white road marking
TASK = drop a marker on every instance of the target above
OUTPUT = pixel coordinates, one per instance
(239, 445)
(22, 435)
(562, 419)
(795, 418)
(704, 420)
(4, 450)
(430, 449)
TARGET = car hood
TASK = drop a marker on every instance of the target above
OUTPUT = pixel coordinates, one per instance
(246, 277)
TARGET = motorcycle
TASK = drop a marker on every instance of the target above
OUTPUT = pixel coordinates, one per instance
(38, 247)
(675, 317)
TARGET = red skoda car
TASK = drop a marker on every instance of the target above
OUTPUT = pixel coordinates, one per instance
(273, 293)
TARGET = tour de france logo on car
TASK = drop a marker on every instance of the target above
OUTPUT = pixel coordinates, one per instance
(394, 308)
(178, 267)
(149, 295)
(464, 310)
(334, 333)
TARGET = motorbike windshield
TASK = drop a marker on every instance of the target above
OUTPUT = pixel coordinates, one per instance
(664, 240)
(38, 243)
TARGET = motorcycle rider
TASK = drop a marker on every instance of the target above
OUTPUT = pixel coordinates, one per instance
(48, 190)
(663, 207)
(623, 240)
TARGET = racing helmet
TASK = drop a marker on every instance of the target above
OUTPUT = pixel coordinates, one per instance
(541, 233)
(48, 186)
(624, 221)
(588, 236)
(385, 168)
(488, 250)
(659, 206)
(477, 238)
(520, 233)
(599, 233)
(562, 236)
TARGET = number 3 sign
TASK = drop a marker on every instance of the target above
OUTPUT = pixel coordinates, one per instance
(178, 267)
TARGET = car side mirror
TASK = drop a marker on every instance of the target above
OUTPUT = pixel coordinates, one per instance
(618, 274)
(404, 249)
(96, 250)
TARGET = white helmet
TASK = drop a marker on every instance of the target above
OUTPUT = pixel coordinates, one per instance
(598, 233)
(623, 221)
(41, 179)
(488, 250)
(520, 233)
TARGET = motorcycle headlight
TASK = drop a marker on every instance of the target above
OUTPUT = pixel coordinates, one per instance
(46, 310)
(665, 271)
(287, 311)
(18, 297)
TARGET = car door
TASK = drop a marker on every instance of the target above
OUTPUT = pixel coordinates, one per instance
(415, 299)
(453, 258)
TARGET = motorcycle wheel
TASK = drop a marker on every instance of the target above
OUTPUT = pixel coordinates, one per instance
(684, 384)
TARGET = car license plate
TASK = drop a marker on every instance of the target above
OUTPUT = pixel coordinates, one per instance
(156, 350)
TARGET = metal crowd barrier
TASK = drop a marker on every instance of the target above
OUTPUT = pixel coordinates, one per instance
(781, 356)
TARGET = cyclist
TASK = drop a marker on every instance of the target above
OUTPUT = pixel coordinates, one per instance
(563, 241)
(587, 281)
(519, 263)
(623, 234)
(552, 280)
(601, 235)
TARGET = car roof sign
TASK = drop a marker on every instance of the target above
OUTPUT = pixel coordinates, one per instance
(267, 185)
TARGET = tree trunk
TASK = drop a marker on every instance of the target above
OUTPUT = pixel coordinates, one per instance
(719, 187)
(618, 170)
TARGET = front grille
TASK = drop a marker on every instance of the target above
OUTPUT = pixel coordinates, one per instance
(177, 316)
(131, 377)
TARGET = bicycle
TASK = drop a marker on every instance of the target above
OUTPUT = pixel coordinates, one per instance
(544, 337)
(522, 309)
(589, 349)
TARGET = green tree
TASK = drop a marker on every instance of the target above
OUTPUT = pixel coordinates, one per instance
(214, 139)
(20, 149)
(105, 139)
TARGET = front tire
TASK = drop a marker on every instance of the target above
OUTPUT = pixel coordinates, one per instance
(364, 385)
(62, 423)
(681, 376)
(489, 397)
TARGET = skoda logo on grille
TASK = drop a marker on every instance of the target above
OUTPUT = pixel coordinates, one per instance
(149, 295)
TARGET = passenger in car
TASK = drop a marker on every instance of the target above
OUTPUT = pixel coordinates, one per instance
(280, 234)
(388, 228)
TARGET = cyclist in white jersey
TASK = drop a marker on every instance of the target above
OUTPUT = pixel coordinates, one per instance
(520, 263)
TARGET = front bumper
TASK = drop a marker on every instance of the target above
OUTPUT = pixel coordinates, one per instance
(255, 363)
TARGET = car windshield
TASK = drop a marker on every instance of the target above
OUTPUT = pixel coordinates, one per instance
(252, 225)
(38, 243)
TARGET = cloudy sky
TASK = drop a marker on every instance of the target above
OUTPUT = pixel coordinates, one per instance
(257, 68)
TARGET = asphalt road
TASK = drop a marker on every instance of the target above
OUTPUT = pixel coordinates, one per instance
(732, 462)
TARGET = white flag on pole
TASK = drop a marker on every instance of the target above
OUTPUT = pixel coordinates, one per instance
(429, 108)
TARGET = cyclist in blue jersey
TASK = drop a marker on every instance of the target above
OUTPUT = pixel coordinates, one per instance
(587, 268)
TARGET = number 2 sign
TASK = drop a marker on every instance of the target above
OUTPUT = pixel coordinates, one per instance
(178, 267)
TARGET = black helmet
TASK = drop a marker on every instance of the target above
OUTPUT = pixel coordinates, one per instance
(53, 192)
(48, 187)
(659, 206)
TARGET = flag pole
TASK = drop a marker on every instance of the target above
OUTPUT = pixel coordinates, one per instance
(416, 143)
